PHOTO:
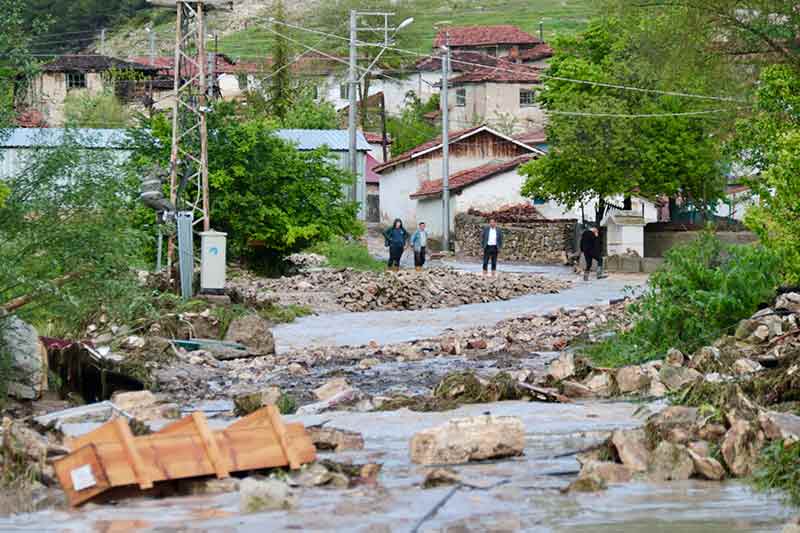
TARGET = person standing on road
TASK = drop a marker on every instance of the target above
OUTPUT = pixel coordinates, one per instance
(395, 238)
(491, 243)
(591, 247)
(420, 242)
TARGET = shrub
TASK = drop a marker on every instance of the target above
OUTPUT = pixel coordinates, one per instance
(779, 468)
(343, 253)
(703, 290)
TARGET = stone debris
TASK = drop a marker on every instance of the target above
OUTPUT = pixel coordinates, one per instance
(253, 332)
(741, 447)
(783, 426)
(609, 472)
(677, 377)
(670, 462)
(355, 290)
(258, 495)
(249, 402)
(438, 477)
(632, 379)
(461, 440)
(631, 448)
(145, 406)
(332, 388)
(706, 466)
(27, 375)
(338, 440)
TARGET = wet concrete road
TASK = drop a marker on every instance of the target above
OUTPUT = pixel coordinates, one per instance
(521, 494)
(356, 329)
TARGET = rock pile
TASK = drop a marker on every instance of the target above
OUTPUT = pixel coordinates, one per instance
(365, 291)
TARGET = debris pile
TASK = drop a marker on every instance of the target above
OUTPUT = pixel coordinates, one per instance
(365, 291)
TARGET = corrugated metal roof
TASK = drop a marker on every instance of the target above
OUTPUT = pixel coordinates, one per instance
(336, 140)
(44, 137)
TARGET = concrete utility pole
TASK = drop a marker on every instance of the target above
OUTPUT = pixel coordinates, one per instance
(352, 90)
(152, 35)
(103, 41)
(445, 147)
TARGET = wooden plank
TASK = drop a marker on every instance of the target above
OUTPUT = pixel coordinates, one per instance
(280, 433)
(184, 426)
(210, 443)
(127, 441)
(105, 433)
(75, 465)
(256, 418)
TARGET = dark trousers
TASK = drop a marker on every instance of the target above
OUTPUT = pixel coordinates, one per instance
(490, 253)
(419, 257)
(395, 253)
(589, 258)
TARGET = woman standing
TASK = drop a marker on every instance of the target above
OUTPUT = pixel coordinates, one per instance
(395, 238)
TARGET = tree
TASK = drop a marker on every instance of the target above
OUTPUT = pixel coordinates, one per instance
(68, 249)
(103, 110)
(280, 82)
(262, 188)
(597, 150)
(411, 128)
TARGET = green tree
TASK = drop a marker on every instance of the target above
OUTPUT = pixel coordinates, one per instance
(411, 128)
(103, 110)
(596, 154)
(262, 188)
(68, 249)
(308, 113)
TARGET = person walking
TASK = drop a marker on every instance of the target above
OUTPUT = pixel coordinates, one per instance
(395, 238)
(591, 247)
(420, 242)
(491, 243)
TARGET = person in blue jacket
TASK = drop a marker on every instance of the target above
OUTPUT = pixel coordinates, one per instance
(419, 241)
(395, 238)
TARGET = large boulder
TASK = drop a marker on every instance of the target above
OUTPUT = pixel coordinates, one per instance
(461, 440)
(632, 379)
(256, 495)
(670, 462)
(562, 368)
(788, 302)
(252, 331)
(606, 471)
(599, 382)
(144, 406)
(676, 424)
(706, 466)
(676, 377)
(741, 447)
(331, 388)
(785, 426)
(28, 358)
(631, 447)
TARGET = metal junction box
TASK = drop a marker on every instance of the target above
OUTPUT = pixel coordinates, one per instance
(212, 262)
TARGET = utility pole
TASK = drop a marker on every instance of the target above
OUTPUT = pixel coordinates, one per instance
(445, 147)
(352, 86)
(103, 41)
(152, 35)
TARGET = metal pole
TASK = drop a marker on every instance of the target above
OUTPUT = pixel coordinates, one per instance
(152, 36)
(160, 245)
(201, 55)
(445, 150)
(352, 86)
(174, 154)
(103, 41)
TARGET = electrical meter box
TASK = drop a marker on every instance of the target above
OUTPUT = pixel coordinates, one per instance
(212, 262)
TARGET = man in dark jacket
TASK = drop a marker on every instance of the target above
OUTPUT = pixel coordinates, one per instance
(491, 243)
(591, 246)
(395, 238)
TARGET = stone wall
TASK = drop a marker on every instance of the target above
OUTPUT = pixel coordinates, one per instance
(540, 241)
(657, 243)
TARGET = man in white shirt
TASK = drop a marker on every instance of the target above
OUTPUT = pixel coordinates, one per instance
(491, 243)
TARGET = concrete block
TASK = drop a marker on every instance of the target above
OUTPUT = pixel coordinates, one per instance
(630, 264)
(613, 263)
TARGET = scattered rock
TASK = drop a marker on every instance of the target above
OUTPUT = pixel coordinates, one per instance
(631, 447)
(296, 369)
(608, 472)
(438, 477)
(348, 396)
(469, 439)
(451, 346)
(789, 301)
(257, 495)
(707, 357)
(134, 342)
(27, 375)
(313, 475)
(675, 357)
(573, 389)
(707, 467)
(253, 332)
(563, 367)
(783, 426)
(632, 379)
(250, 402)
(369, 362)
(657, 389)
(675, 423)
(746, 366)
(331, 388)
(207, 486)
(327, 438)
(676, 377)
(670, 462)
(599, 383)
(144, 406)
(585, 484)
(741, 447)
(477, 344)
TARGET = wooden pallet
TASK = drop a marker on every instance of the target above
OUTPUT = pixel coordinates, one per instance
(111, 456)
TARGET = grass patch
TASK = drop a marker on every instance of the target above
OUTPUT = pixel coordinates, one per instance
(282, 314)
(779, 469)
(348, 254)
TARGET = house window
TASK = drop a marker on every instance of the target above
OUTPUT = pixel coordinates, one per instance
(527, 97)
(344, 91)
(242, 80)
(76, 80)
(461, 97)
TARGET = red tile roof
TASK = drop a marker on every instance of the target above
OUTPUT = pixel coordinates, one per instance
(409, 154)
(376, 138)
(536, 53)
(223, 65)
(505, 72)
(471, 176)
(483, 35)
(460, 61)
(371, 175)
(537, 136)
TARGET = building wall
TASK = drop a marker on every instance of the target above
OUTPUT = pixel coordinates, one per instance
(49, 89)
(394, 90)
(496, 104)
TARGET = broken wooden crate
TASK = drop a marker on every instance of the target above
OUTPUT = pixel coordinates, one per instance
(111, 456)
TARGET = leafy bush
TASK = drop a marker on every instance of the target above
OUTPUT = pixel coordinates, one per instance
(779, 468)
(703, 290)
(342, 253)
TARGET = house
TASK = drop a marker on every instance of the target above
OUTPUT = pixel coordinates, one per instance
(504, 96)
(404, 175)
(19, 144)
(373, 181)
(502, 41)
(91, 74)
(377, 146)
(338, 142)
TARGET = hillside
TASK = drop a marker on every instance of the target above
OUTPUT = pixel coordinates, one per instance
(242, 34)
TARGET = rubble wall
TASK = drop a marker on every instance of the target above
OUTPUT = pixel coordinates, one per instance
(540, 241)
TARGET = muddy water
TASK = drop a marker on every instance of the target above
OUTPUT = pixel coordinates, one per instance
(521, 493)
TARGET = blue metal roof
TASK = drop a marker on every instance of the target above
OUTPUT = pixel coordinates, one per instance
(48, 137)
(336, 140)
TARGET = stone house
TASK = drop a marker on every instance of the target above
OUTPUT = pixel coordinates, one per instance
(501, 41)
(91, 74)
(404, 175)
